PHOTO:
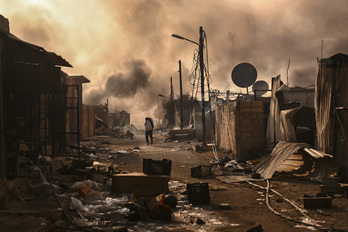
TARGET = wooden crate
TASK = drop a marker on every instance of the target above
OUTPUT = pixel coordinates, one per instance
(140, 184)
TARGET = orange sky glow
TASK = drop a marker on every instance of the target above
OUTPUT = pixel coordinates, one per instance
(126, 49)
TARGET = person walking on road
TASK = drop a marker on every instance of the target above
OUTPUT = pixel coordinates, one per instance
(148, 130)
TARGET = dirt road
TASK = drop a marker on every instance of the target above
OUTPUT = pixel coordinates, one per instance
(233, 207)
(247, 207)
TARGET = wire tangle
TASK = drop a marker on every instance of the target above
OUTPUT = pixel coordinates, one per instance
(195, 78)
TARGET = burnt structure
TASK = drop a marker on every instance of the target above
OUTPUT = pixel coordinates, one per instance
(33, 99)
(331, 108)
(75, 110)
(291, 116)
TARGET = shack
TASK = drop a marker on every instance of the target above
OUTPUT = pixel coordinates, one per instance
(33, 100)
(80, 122)
(240, 128)
(331, 108)
(88, 121)
(291, 116)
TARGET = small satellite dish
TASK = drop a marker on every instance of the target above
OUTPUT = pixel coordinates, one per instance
(260, 88)
(244, 75)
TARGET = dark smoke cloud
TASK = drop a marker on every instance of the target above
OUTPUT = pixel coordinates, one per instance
(126, 85)
(96, 37)
(123, 85)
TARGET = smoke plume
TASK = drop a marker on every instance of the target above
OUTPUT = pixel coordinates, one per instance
(126, 50)
(122, 85)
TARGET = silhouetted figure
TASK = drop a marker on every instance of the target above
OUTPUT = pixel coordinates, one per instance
(148, 130)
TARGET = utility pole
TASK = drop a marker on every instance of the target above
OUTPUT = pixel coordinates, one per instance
(201, 65)
(181, 105)
(172, 115)
(171, 89)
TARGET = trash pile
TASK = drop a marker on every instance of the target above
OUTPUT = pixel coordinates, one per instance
(127, 131)
(236, 167)
(95, 195)
(103, 211)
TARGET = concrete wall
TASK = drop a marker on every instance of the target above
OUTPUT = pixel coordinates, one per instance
(240, 128)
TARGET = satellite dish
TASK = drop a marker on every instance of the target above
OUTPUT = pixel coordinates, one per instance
(244, 75)
(260, 88)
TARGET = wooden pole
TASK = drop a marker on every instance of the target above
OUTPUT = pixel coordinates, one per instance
(172, 115)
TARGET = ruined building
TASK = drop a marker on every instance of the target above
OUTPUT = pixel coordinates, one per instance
(33, 101)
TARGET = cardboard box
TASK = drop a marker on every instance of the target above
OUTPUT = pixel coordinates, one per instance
(140, 183)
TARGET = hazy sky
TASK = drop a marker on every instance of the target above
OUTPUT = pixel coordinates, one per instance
(126, 50)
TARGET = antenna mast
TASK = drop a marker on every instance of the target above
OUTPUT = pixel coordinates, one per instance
(287, 74)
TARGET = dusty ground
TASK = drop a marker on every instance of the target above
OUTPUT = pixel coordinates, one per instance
(247, 205)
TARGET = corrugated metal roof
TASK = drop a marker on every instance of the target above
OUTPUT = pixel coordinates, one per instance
(23, 52)
(80, 79)
(316, 154)
(280, 153)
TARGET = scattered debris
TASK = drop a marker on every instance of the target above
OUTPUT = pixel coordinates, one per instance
(157, 167)
(129, 134)
(322, 212)
(225, 206)
(257, 228)
(310, 202)
(331, 185)
(180, 135)
(201, 171)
